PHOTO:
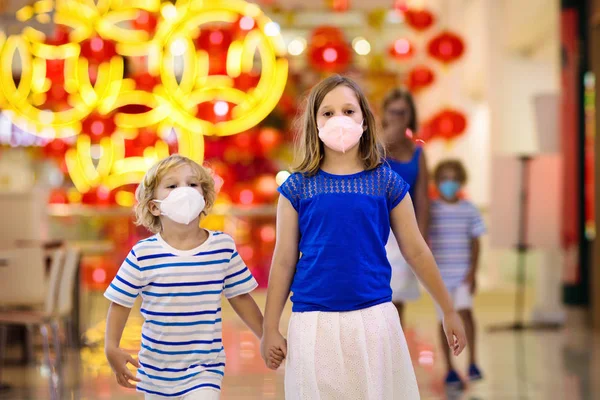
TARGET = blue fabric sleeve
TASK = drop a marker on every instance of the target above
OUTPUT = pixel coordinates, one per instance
(397, 190)
(290, 189)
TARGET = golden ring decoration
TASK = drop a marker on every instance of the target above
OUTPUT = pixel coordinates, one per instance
(172, 103)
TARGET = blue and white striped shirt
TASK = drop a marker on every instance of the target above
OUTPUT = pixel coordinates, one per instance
(181, 348)
(452, 227)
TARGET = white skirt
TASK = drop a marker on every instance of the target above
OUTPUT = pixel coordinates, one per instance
(356, 355)
(404, 283)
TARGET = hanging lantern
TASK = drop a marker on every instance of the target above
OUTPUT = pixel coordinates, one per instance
(419, 78)
(339, 5)
(419, 20)
(448, 124)
(401, 49)
(446, 47)
(328, 50)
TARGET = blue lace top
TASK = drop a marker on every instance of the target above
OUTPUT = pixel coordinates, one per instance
(344, 223)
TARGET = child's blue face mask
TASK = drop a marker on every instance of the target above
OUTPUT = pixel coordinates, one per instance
(449, 188)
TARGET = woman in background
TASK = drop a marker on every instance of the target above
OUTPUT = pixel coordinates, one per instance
(406, 158)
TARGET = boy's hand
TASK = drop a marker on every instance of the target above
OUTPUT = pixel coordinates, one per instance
(118, 360)
(273, 348)
(471, 280)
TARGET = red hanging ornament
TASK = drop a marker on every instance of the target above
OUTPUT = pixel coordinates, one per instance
(98, 126)
(401, 49)
(145, 21)
(419, 78)
(419, 20)
(339, 5)
(269, 139)
(446, 47)
(328, 50)
(98, 50)
(448, 124)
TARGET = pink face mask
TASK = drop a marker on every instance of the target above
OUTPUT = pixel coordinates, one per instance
(341, 133)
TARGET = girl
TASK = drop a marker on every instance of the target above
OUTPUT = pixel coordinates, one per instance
(407, 160)
(333, 219)
(181, 273)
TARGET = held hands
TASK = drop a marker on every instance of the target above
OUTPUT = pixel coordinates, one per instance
(273, 348)
(118, 360)
(455, 332)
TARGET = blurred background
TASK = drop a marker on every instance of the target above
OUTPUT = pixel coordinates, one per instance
(94, 92)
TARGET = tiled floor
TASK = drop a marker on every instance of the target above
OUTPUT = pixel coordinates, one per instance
(552, 365)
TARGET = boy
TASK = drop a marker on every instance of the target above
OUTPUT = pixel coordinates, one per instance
(454, 233)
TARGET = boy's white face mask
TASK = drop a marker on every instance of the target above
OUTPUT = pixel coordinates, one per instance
(182, 205)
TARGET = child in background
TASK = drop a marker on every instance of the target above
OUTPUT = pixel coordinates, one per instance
(181, 273)
(334, 216)
(455, 229)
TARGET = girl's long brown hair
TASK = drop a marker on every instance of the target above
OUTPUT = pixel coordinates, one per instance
(309, 148)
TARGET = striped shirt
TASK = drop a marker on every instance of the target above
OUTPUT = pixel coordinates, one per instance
(452, 227)
(181, 347)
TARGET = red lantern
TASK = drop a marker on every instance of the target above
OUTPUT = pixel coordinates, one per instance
(448, 124)
(98, 50)
(401, 49)
(98, 126)
(269, 139)
(339, 5)
(419, 78)
(419, 20)
(446, 47)
(328, 51)
(244, 195)
(266, 187)
(145, 21)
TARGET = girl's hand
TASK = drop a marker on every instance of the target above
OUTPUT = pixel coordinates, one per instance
(455, 332)
(273, 348)
(118, 360)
